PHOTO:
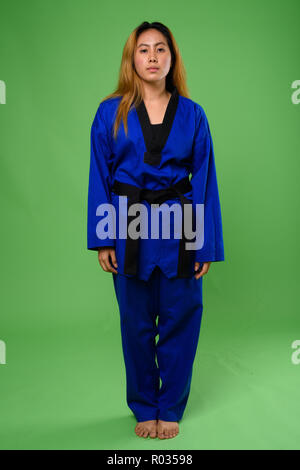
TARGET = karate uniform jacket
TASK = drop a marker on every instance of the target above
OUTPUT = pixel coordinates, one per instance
(184, 148)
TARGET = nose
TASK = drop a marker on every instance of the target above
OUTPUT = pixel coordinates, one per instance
(152, 57)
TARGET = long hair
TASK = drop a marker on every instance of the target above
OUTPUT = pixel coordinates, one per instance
(130, 84)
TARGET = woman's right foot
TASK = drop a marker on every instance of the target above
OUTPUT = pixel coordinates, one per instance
(146, 428)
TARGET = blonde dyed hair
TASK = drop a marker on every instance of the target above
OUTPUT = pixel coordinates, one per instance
(130, 84)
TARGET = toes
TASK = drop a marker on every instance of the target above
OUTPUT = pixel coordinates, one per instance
(144, 431)
(163, 434)
(167, 433)
(153, 433)
(139, 431)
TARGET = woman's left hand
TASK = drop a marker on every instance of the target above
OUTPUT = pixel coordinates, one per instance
(204, 269)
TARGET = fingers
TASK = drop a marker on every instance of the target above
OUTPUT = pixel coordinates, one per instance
(203, 271)
(104, 256)
(113, 258)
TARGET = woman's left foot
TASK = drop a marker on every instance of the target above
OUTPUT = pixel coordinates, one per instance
(167, 429)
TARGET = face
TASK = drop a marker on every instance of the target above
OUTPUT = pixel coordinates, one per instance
(152, 50)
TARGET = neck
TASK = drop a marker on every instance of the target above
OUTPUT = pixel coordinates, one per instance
(155, 92)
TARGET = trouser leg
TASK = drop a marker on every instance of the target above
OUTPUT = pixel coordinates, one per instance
(137, 301)
(180, 314)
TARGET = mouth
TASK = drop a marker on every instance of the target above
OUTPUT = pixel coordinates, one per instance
(152, 69)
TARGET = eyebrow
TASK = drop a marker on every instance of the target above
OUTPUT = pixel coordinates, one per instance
(156, 44)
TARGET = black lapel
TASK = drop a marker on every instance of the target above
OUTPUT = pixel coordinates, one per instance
(154, 146)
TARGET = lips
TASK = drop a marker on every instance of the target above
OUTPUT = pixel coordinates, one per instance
(152, 69)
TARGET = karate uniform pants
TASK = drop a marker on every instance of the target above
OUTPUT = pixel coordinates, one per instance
(178, 305)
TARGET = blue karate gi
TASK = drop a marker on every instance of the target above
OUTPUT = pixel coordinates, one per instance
(155, 277)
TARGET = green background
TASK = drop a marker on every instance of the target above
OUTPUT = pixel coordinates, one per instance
(63, 386)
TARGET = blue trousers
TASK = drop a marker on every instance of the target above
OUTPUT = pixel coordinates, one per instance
(172, 309)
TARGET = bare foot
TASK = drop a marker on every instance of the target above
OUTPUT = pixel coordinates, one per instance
(167, 429)
(146, 428)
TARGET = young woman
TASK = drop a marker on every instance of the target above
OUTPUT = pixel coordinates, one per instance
(147, 139)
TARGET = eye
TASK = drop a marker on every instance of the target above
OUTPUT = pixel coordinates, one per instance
(159, 49)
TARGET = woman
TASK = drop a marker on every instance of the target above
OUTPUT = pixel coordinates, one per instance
(147, 138)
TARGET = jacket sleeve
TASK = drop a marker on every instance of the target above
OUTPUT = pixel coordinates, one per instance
(205, 191)
(99, 190)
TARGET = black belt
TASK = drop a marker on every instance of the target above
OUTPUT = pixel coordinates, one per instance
(136, 195)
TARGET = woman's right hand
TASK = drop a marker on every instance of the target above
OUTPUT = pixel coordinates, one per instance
(104, 256)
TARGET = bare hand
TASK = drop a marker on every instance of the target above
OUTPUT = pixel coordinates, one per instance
(204, 269)
(104, 256)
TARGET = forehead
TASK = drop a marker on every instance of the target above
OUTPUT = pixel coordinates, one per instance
(151, 37)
